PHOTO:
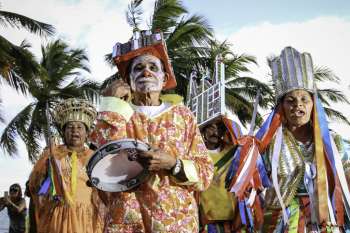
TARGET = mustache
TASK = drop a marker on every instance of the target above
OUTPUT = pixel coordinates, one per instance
(145, 79)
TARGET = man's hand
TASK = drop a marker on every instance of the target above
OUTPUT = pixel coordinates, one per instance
(156, 160)
(118, 88)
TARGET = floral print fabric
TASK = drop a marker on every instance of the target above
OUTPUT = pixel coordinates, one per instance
(161, 204)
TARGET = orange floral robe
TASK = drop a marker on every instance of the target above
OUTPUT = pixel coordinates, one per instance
(162, 203)
(52, 217)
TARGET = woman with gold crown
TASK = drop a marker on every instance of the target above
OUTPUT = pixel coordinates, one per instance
(305, 161)
(63, 202)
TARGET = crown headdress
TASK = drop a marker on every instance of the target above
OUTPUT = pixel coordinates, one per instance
(206, 94)
(143, 42)
(75, 110)
(291, 71)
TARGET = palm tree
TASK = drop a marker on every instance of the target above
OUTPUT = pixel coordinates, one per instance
(240, 89)
(59, 77)
(15, 61)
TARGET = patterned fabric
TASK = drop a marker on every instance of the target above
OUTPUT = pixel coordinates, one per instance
(59, 217)
(293, 159)
(161, 204)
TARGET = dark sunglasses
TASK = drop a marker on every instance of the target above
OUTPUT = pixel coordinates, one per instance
(14, 190)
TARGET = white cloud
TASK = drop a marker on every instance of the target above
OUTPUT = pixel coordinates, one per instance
(95, 25)
(326, 38)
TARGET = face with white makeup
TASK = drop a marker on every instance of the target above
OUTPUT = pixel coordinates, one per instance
(147, 74)
(297, 106)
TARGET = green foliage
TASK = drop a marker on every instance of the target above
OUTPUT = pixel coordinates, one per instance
(16, 62)
(60, 76)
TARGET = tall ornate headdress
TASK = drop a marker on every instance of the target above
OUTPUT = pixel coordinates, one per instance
(75, 110)
(143, 42)
(291, 71)
(206, 98)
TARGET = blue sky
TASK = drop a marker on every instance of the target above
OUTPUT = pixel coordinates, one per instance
(231, 15)
(259, 28)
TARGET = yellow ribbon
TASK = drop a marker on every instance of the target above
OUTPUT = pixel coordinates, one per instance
(69, 196)
(321, 184)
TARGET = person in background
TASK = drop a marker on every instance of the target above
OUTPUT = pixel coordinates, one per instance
(217, 205)
(62, 200)
(16, 208)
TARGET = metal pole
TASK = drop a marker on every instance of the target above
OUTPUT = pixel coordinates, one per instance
(252, 122)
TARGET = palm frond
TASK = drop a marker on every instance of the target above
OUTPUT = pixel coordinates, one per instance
(36, 129)
(60, 62)
(87, 89)
(16, 127)
(109, 60)
(134, 13)
(17, 65)
(238, 64)
(322, 73)
(194, 31)
(335, 96)
(21, 21)
(165, 14)
(242, 108)
(109, 80)
(336, 115)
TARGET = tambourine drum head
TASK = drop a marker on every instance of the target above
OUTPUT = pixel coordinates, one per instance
(114, 168)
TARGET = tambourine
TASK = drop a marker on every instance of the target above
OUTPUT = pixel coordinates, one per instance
(114, 166)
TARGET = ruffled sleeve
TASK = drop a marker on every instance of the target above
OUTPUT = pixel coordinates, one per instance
(197, 164)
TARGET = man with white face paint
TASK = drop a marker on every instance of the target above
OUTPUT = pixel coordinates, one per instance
(178, 161)
(147, 74)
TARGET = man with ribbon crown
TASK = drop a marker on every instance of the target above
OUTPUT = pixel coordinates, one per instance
(177, 161)
(217, 205)
(206, 99)
(63, 202)
(306, 163)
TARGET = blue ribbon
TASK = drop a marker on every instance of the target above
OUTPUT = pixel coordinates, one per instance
(250, 214)
(212, 228)
(233, 167)
(266, 125)
(241, 206)
(263, 174)
(236, 129)
(45, 186)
